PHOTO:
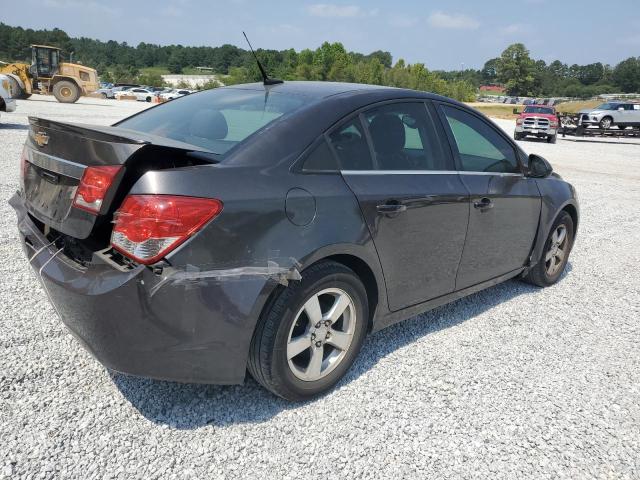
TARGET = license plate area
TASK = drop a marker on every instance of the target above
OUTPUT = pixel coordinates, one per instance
(49, 194)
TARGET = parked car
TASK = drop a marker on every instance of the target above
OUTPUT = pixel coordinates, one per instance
(175, 94)
(7, 102)
(539, 121)
(143, 94)
(269, 228)
(609, 114)
(105, 92)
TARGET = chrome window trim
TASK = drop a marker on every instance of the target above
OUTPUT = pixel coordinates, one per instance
(55, 164)
(426, 172)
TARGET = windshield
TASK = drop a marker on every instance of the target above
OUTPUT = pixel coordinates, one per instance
(607, 106)
(216, 119)
(543, 110)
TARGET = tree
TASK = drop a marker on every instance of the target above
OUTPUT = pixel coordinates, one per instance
(626, 75)
(515, 69)
(489, 72)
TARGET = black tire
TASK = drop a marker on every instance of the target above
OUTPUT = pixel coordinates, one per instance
(606, 123)
(268, 363)
(148, 99)
(103, 95)
(552, 138)
(66, 92)
(539, 274)
(518, 136)
(622, 127)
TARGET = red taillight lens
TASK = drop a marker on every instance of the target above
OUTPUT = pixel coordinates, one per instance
(94, 184)
(147, 227)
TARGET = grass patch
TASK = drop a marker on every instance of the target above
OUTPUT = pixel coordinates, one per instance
(575, 107)
(496, 110)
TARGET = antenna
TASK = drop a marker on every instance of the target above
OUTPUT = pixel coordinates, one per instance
(265, 78)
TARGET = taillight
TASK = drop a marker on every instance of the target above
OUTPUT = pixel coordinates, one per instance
(148, 227)
(94, 184)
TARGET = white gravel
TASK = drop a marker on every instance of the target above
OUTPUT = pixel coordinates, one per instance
(513, 382)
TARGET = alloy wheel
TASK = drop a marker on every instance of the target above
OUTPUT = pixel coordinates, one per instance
(321, 334)
(557, 252)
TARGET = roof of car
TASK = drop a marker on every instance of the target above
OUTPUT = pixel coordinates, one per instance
(313, 89)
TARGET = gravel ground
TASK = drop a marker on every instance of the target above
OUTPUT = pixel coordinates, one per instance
(512, 382)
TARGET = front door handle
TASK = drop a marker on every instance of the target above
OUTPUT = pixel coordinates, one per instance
(483, 204)
(388, 208)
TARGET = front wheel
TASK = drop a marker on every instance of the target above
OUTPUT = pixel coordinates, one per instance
(311, 333)
(552, 138)
(556, 253)
(606, 123)
(66, 92)
(518, 136)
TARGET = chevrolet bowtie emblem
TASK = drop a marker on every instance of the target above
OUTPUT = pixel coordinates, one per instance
(41, 138)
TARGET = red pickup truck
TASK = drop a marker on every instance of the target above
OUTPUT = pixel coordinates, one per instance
(537, 121)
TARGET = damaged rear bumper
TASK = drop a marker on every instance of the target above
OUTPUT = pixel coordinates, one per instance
(186, 324)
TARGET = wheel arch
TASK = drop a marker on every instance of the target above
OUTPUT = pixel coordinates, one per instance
(573, 212)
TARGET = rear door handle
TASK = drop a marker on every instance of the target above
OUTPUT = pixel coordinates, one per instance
(483, 204)
(391, 208)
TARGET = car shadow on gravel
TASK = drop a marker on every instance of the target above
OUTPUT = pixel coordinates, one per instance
(192, 406)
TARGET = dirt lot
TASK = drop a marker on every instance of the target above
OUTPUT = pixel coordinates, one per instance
(512, 382)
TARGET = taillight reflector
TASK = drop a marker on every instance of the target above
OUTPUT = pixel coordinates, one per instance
(148, 227)
(94, 184)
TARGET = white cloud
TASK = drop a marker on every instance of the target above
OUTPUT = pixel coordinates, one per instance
(81, 5)
(457, 22)
(330, 10)
(403, 21)
(514, 29)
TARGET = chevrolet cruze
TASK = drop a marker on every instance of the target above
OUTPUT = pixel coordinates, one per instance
(269, 228)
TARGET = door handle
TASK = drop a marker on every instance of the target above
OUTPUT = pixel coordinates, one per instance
(483, 204)
(388, 208)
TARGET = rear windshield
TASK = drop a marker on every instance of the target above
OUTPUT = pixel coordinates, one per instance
(540, 110)
(214, 120)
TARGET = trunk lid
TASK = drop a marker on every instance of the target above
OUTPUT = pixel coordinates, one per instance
(56, 155)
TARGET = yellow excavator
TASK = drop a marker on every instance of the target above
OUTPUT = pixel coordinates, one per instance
(47, 74)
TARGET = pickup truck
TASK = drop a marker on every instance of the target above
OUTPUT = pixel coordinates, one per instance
(537, 121)
(7, 103)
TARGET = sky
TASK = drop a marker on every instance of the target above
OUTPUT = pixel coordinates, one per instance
(441, 34)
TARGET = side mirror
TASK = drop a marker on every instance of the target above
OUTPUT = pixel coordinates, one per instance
(539, 167)
(516, 112)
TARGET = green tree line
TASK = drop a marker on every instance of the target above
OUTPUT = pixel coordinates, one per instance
(515, 69)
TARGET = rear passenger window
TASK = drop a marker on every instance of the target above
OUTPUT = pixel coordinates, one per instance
(321, 159)
(481, 148)
(404, 138)
(350, 145)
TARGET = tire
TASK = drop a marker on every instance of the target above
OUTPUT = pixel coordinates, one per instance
(552, 138)
(606, 123)
(148, 99)
(518, 136)
(103, 95)
(622, 127)
(66, 92)
(541, 274)
(285, 319)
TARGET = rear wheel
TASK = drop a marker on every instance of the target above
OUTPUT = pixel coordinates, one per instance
(311, 333)
(66, 92)
(556, 253)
